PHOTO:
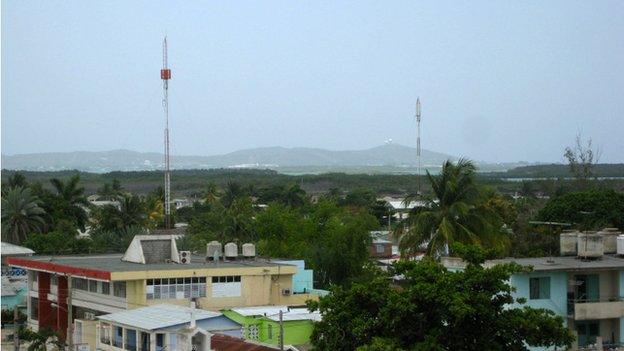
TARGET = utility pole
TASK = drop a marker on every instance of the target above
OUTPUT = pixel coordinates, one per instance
(70, 322)
(16, 340)
(165, 75)
(281, 334)
(418, 142)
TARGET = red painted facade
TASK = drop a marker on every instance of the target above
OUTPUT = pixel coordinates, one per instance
(47, 315)
(61, 311)
(58, 268)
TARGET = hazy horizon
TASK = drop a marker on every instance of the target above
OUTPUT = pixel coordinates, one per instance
(499, 82)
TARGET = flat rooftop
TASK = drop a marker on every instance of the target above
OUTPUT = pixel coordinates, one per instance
(564, 263)
(101, 266)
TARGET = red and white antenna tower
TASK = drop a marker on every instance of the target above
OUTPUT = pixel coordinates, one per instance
(165, 75)
(418, 142)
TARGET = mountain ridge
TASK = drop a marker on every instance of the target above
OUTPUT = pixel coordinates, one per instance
(261, 157)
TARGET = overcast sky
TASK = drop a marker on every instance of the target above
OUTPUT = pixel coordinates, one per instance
(498, 80)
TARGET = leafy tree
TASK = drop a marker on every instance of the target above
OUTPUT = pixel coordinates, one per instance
(232, 191)
(21, 214)
(281, 231)
(17, 180)
(111, 191)
(582, 160)
(454, 214)
(591, 209)
(70, 201)
(211, 193)
(436, 309)
(131, 212)
(58, 242)
(40, 340)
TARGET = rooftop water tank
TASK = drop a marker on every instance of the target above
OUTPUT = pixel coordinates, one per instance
(609, 236)
(590, 245)
(213, 250)
(567, 243)
(249, 250)
(620, 245)
(231, 251)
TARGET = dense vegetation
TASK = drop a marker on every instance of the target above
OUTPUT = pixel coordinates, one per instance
(436, 309)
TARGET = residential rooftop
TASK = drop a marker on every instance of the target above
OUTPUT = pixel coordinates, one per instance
(110, 267)
(564, 263)
(157, 316)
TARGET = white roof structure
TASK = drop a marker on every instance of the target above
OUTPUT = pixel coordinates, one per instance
(272, 313)
(260, 310)
(157, 316)
(15, 250)
(298, 314)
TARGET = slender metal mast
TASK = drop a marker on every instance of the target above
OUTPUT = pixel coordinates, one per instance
(418, 141)
(165, 75)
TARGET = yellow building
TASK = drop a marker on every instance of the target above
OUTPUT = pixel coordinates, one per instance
(151, 272)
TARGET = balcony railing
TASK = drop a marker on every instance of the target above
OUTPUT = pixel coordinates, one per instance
(604, 307)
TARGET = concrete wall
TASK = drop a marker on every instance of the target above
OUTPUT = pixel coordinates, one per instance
(256, 290)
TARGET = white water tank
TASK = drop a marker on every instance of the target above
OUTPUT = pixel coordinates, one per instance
(590, 245)
(620, 245)
(567, 243)
(213, 250)
(609, 236)
(249, 250)
(231, 251)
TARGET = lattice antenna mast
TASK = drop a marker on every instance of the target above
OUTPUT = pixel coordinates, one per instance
(165, 75)
(418, 141)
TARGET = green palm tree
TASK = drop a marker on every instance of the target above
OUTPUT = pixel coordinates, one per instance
(21, 214)
(453, 214)
(294, 196)
(211, 194)
(72, 198)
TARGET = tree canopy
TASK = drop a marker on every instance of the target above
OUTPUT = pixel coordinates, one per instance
(436, 309)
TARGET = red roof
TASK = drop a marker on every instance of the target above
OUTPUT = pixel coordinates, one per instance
(221, 342)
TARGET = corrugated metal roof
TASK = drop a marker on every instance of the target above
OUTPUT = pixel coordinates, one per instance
(260, 310)
(157, 316)
(272, 312)
(298, 314)
(10, 249)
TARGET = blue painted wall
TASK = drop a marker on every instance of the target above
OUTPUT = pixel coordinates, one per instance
(558, 301)
(303, 279)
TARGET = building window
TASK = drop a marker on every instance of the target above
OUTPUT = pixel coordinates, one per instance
(539, 288)
(118, 340)
(119, 289)
(80, 284)
(160, 342)
(106, 288)
(93, 285)
(145, 341)
(131, 340)
(253, 332)
(270, 331)
(105, 330)
(53, 279)
(226, 286)
(175, 288)
(379, 248)
(34, 308)
(227, 279)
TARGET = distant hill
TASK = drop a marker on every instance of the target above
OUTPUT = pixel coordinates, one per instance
(393, 155)
(608, 170)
